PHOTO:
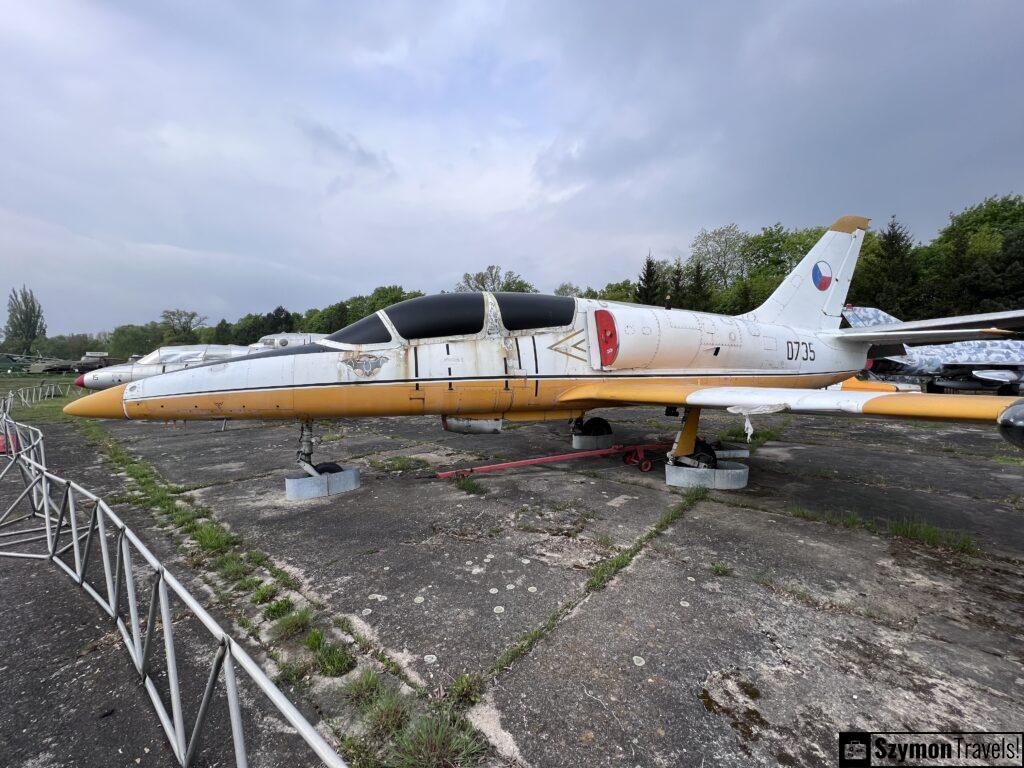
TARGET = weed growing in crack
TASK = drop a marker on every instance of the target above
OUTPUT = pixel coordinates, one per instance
(278, 609)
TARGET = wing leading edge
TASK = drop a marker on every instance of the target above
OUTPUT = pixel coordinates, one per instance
(907, 405)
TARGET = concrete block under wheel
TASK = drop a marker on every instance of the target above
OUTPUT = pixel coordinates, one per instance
(328, 484)
(592, 442)
(728, 476)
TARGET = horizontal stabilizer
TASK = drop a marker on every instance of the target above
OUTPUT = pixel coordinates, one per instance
(879, 335)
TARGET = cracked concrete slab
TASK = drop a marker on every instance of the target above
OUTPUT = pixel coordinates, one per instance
(740, 636)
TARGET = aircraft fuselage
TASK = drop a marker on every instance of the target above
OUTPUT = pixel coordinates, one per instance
(497, 372)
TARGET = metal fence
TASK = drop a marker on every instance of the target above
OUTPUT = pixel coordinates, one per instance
(29, 396)
(55, 519)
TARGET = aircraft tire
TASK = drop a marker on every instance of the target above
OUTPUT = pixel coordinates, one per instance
(596, 426)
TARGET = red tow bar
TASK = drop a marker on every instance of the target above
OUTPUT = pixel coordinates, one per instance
(631, 454)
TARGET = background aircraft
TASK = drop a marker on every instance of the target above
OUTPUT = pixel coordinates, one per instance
(281, 340)
(531, 357)
(990, 366)
(162, 360)
(179, 357)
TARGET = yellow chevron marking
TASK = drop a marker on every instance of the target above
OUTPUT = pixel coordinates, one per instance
(559, 346)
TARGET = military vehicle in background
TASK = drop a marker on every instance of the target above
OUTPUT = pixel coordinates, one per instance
(90, 361)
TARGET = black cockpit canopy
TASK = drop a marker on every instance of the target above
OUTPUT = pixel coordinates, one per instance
(458, 314)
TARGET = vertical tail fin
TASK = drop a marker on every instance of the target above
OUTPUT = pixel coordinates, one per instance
(813, 294)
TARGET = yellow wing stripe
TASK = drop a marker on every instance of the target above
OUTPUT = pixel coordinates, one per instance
(939, 407)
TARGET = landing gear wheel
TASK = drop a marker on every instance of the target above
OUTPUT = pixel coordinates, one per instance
(631, 458)
(646, 465)
(596, 426)
(704, 454)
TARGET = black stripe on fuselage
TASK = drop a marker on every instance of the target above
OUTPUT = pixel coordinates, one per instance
(457, 379)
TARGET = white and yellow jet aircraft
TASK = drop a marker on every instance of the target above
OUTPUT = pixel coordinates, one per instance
(492, 356)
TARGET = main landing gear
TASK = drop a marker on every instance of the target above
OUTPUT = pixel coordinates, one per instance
(694, 462)
(324, 479)
(592, 434)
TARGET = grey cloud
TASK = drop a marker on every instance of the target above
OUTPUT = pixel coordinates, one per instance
(333, 145)
(560, 139)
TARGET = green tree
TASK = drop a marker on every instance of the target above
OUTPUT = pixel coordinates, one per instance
(180, 325)
(676, 286)
(997, 282)
(25, 323)
(128, 340)
(568, 289)
(891, 271)
(648, 288)
(721, 251)
(222, 333)
(698, 291)
(249, 329)
(624, 290)
(956, 263)
(492, 279)
(327, 320)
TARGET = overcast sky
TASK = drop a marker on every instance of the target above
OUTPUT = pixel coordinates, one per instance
(229, 157)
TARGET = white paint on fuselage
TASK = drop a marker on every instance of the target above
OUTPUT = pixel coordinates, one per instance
(652, 342)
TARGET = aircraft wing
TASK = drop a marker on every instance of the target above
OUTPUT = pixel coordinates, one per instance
(910, 405)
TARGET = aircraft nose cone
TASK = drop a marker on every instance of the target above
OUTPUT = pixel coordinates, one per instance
(1011, 424)
(106, 404)
(80, 381)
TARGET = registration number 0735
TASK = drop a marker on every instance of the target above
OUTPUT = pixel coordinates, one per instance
(799, 350)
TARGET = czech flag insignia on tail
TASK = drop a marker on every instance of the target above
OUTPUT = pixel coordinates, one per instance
(822, 275)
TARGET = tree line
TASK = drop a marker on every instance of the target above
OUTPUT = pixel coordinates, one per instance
(974, 264)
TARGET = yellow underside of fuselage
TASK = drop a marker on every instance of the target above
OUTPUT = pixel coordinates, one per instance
(514, 399)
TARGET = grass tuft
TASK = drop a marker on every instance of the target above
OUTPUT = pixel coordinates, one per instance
(721, 569)
(440, 739)
(315, 640)
(387, 714)
(1015, 461)
(278, 608)
(231, 566)
(212, 537)
(292, 624)
(759, 438)
(292, 673)
(256, 557)
(398, 464)
(469, 485)
(265, 593)
(334, 660)
(465, 690)
(364, 688)
(960, 541)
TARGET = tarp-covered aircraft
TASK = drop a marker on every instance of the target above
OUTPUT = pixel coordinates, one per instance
(488, 356)
(981, 366)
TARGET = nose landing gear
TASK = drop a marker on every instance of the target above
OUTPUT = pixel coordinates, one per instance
(324, 479)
